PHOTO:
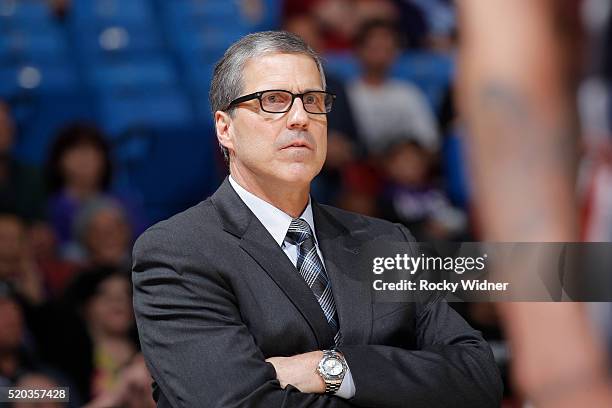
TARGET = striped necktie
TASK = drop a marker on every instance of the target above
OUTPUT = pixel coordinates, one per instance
(311, 268)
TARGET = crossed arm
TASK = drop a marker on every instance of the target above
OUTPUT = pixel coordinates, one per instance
(201, 353)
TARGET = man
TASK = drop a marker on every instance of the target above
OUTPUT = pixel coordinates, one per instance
(239, 298)
(387, 110)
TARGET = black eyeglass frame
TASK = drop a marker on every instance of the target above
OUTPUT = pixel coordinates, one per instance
(257, 95)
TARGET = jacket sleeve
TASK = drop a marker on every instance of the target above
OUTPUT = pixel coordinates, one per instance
(196, 346)
(451, 366)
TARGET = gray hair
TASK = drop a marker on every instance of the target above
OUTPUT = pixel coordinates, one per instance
(228, 80)
(89, 210)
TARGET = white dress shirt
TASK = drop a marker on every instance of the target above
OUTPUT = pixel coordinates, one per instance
(277, 223)
(391, 112)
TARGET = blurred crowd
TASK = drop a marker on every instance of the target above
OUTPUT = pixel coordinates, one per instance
(65, 293)
(66, 228)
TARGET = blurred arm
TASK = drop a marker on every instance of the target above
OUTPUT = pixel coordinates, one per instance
(516, 92)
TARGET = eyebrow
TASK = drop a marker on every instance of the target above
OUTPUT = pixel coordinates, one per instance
(312, 90)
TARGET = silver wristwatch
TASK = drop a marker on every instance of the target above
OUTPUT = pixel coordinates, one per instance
(332, 369)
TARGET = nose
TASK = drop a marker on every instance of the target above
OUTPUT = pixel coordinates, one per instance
(297, 117)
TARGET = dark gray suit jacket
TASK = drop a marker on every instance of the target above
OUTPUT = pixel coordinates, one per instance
(214, 296)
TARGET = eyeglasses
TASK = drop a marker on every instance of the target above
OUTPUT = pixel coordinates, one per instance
(279, 101)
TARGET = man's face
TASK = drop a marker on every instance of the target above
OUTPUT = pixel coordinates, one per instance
(276, 147)
(379, 50)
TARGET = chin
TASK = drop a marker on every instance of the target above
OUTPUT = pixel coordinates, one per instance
(299, 173)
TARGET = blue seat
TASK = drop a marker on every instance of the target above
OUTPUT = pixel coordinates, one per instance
(431, 72)
(121, 111)
(204, 114)
(101, 41)
(184, 11)
(434, 89)
(17, 13)
(271, 16)
(221, 13)
(137, 73)
(40, 116)
(199, 35)
(84, 12)
(28, 79)
(181, 168)
(420, 65)
(40, 43)
(342, 64)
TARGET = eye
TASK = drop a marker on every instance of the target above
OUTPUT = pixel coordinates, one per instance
(275, 98)
(310, 99)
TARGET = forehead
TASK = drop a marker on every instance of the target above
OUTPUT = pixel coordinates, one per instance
(379, 34)
(291, 72)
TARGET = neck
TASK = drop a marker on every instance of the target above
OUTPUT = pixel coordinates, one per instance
(99, 336)
(290, 198)
(80, 192)
(374, 78)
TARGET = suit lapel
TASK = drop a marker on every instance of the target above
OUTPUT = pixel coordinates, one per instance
(352, 296)
(259, 244)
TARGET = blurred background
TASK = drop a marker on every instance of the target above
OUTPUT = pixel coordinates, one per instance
(105, 129)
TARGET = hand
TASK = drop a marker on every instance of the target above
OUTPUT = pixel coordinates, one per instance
(300, 371)
(134, 390)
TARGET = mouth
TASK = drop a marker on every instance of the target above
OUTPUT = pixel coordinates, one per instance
(297, 145)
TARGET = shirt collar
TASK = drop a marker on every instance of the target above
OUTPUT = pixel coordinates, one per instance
(273, 219)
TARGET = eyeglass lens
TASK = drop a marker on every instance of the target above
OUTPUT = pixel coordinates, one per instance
(279, 101)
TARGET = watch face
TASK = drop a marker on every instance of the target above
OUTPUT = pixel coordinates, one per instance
(333, 366)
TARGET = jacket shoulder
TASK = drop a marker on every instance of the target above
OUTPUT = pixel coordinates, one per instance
(358, 224)
(183, 227)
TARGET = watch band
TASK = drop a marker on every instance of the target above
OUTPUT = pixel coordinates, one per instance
(332, 388)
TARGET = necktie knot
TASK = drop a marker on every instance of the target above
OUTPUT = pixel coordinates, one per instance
(299, 231)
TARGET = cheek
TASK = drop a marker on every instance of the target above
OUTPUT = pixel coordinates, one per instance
(95, 310)
(319, 132)
(68, 164)
(255, 144)
(97, 163)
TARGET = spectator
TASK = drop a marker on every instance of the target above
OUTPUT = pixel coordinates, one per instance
(60, 8)
(103, 233)
(438, 20)
(134, 390)
(387, 109)
(412, 198)
(37, 381)
(14, 357)
(21, 187)
(95, 322)
(19, 362)
(55, 271)
(413, 24)
(79, 169)
(17, 265)
(361, 186)
(339, 20)
(107, 310)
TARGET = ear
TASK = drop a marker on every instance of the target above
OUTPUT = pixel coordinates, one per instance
(223, 123)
